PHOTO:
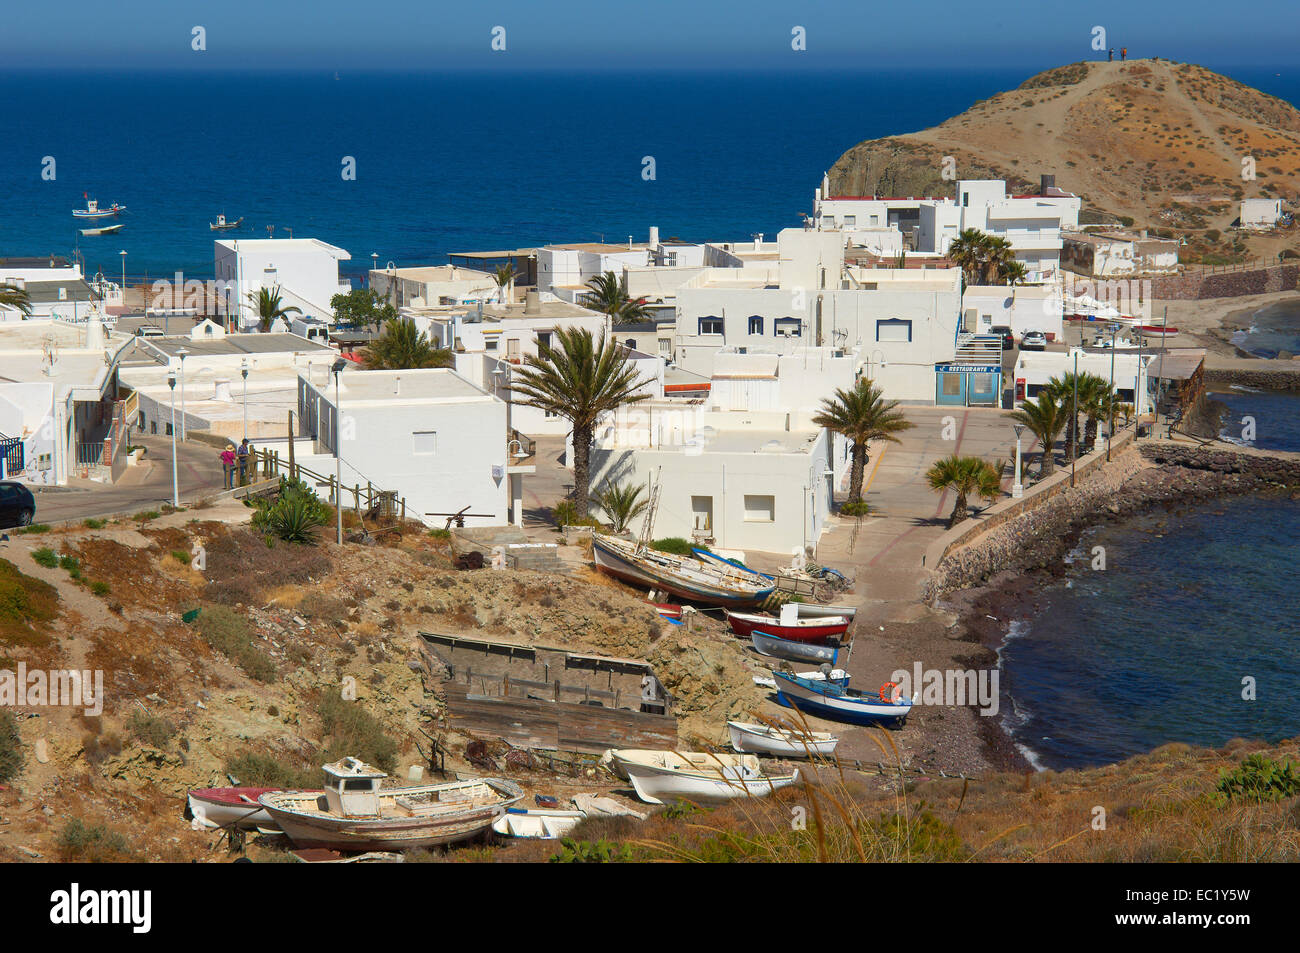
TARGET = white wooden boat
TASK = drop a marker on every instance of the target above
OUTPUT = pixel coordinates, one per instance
(712, 583)
(656, 782)
(616, 760)
(537, 824)
(356, 814)
(791, 742)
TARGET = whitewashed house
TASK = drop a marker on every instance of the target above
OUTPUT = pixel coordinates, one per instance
(306, 270)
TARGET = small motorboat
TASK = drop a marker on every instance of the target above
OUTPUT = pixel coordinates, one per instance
(92, 209)
(215, 808)
(837, 702)
(536, 824)
(106, 230)
(790, 626)
(221, 225)
(721, 778)
(789, 742)
(616, 760)
(792, 651)
(356, 814)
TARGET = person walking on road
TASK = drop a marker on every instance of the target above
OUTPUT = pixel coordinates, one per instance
(228, 466)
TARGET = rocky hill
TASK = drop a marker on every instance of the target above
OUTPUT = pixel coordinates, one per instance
(1159, 142)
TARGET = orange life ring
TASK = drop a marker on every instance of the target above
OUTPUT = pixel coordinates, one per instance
(891, 696)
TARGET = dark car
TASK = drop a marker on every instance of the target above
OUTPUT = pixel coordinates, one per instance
(17, 505)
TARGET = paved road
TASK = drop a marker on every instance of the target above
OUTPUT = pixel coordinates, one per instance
(198, 473)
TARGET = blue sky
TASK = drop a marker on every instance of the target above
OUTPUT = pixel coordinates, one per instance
(602, 34)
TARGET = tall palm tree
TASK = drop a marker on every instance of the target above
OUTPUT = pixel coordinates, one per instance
(15, 297)
(608, 295)
(1045, 418)
(581, 379)
(622, 503)
(402, 346)
(964, 476)
(504, 277)
(861, 415)
(266, 302)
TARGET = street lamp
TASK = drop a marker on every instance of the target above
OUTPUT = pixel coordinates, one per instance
(243, 372)
(1017, 488)
(181, 353)
(176, 493)
(338, 456)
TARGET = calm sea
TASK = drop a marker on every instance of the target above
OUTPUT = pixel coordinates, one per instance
(445, 162)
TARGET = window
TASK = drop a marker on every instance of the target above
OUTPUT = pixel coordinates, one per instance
(424, 441)
(787, 327)
(755, 324)
(760, 509)
(894, 330)
(710, 324)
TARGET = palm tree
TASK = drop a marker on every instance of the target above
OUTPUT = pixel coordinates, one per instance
(582, 380)
(266, 302)
(608, 295)
(964, 476)
(505, 276)
(15, 297)
(861, 415)
(401, 346)
(621, 502)
(1044, 418)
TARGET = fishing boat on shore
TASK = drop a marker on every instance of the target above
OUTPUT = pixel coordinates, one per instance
(356, 814)
(92, 209)
(780, 742)
(105, 230)
(841, 703)
(221, 225)
(616, 760)
(789, 626)
(680, 576)
(216, 808)
(536, 824)
(792, 651)
(656, 781)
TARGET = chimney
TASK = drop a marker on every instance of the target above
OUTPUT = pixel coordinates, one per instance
(532, 303)
(1046, 182)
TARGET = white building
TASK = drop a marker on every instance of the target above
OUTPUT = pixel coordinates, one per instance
(306, 270)
(1260, 213)
(751, 481)
(430, 435)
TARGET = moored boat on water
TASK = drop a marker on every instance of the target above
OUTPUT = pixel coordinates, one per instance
(828, 699)
(792, 651)
(680, 576)
(355, 814)
(787, 742)
(789, 626)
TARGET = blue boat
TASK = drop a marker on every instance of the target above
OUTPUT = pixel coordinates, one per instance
(839, 703)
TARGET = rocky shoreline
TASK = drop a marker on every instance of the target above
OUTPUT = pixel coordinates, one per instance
(999, 578)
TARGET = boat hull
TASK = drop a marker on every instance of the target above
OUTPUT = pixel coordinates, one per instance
(773, 647)
(307, 826)
(654, 784)
(780, 743)
(811, 630)
(829, 701)
(642, 574)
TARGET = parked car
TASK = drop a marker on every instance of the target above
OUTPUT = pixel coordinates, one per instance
(1033, 341)
(1008, 339)
(17, 505)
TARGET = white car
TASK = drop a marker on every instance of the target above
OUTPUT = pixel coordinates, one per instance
(1033, 341)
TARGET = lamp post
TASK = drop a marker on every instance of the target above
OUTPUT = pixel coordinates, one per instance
(338, 452)
(1017, 488)
(123, 254)
(243, 372)
(181, 353)
(176, 493)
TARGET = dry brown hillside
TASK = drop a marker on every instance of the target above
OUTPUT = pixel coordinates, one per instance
(1159, 142)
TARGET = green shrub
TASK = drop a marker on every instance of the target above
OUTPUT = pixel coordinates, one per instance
(348, 729)
(586, 852)
(11, 748)
(227, 632)
(45, 557)
(93, 844)
(1258, 778)
(292, 514)
(153, 730)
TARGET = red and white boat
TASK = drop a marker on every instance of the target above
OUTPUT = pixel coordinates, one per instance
(789, 626)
